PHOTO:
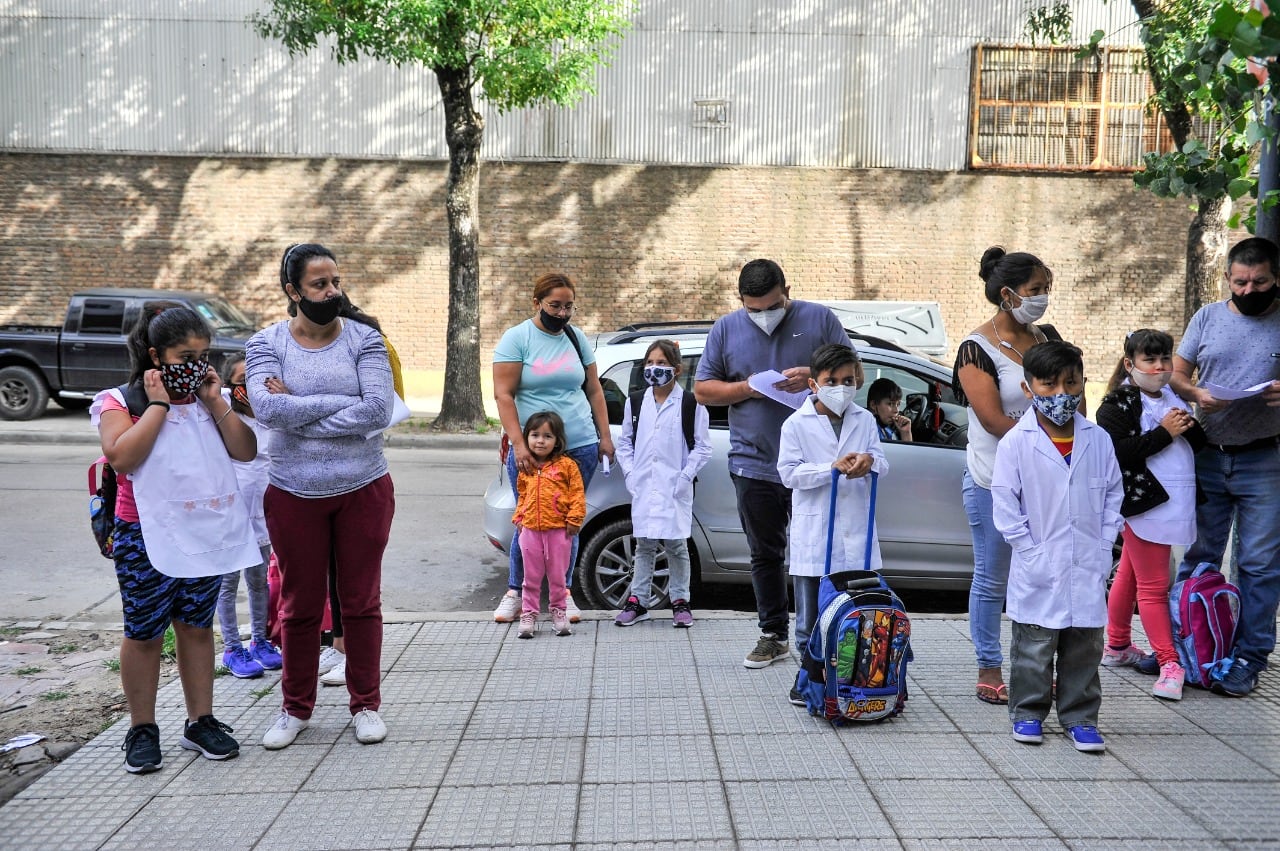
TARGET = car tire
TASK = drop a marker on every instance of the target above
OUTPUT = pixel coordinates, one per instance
(23, 395)
(606, 564)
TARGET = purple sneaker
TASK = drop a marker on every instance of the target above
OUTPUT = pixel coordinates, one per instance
(631, 613)
(240, 663)
(266, 654)
(681, 617)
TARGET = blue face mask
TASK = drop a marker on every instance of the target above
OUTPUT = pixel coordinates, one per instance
(1058, 408)
(656, 376)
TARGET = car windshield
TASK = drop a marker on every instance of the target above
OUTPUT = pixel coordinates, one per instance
(223, 317)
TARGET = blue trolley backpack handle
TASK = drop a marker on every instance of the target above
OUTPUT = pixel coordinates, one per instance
(831, 519)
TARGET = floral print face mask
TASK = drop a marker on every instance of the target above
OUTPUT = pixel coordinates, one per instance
(182, 379)
(1058, 408)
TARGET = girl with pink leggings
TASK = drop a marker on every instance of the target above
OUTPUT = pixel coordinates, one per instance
(1155, 440)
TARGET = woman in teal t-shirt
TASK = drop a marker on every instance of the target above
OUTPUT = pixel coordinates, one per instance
(537, 367)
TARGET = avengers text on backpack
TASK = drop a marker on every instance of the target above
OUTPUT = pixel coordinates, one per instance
(855, 666)
(102, 480)
(1205, 609)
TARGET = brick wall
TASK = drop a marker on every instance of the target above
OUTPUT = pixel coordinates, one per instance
(643, 243)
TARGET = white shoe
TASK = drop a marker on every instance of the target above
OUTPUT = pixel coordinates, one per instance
(328, 658)
(283, 731)
(369, 727)
(337, 675)
(571, 609)
(508, 608)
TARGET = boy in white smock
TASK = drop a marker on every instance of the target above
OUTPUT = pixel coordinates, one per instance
(1056, 493)
(828, 432)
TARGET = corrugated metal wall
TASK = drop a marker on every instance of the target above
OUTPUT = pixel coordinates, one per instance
(846, 83)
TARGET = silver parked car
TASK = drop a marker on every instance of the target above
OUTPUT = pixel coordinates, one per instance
(924, 533)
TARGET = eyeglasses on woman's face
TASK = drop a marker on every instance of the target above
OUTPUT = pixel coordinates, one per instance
(556, 308)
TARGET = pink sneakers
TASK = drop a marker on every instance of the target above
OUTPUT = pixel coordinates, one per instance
(1169, 684)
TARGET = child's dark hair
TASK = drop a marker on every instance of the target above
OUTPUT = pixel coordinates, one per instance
(1144, 341)
(883, 389)
(670, 350)
(1046, 361)
(551, 420)
(163, 324)
(831, 357)
(229, 363)
(294, 263)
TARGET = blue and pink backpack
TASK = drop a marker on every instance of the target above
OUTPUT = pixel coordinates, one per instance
(1205, 611)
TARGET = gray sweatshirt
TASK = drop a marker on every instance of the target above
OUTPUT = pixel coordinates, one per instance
(337, 395)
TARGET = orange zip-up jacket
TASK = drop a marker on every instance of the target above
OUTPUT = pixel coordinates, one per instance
(552, 497)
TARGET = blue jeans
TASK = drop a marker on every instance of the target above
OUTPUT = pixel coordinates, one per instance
(587, 458)
(805, 589)
(991, 557)
(1243, 485)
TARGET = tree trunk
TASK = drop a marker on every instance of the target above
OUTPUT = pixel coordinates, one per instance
(1206, 254)
(462, 408)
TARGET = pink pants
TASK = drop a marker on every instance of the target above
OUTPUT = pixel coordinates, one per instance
(1143, 575)
(354, 526)
(546, 554)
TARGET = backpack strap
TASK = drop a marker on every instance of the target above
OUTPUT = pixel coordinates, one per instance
(688, 415)
(135, 398)
(572, 334)
(637, 399)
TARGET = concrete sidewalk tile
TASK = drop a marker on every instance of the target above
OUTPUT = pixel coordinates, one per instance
(886, 843)
(971, 715)
(987, 842)
(537, 683)
(1092, 844)
(482, 762)
(1231, 812)
(68, 822)
(385, 765)
(1147, 715)
(651, 812)
(103, 769)
(773, 683)
(472, 659)
(785, 756)
(649, 759)
(758, 716)
(1226, 716)
(561, 654)
(426, 722)
(462, 632)
(921, 715)
(188, 822)
(1110, 809)
(649, 716)
(835, 810)
(1056, 759)
(941, 756)
(514, 716)
(688, 845)
(1165, 757)
(255, 768)
(351, 819)
(1263, 749)
(958, 809)
(623, 682)
(500, 816)
(410, 686)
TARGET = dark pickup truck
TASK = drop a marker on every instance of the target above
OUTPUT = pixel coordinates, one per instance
(87, 353)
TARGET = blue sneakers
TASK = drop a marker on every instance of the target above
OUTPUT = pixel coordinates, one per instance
(1237, 682)
(1029, 732)
(266, 654)
(240, 663)
(1086, 738)
(1148, 665)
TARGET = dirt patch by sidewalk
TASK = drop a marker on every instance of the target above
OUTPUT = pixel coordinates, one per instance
(64, 686)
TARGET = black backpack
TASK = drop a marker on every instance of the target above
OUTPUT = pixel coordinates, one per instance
(102, 481)
(688, 410)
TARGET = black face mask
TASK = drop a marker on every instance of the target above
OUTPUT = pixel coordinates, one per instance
(554, 324)
(1256, 302)
(321, 312)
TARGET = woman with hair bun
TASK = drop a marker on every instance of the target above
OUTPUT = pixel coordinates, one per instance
(988, 379)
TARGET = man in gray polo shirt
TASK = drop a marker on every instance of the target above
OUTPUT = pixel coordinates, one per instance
(1236, 344)
(770, 331)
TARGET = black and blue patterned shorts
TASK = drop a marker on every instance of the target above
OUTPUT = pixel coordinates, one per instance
(151, 599)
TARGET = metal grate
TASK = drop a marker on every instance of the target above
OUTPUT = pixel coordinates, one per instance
(1042, 108)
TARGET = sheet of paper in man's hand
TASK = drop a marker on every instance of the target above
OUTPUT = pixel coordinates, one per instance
(762, 382)
(1227, 394)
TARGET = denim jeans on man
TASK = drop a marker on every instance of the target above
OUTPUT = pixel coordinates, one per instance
(587, 458)
(764, 509)
(991, 557)
(1247, 485)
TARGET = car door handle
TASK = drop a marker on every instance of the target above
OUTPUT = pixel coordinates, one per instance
(78, 347)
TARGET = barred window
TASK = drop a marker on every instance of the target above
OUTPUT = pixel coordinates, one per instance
(1042, 108)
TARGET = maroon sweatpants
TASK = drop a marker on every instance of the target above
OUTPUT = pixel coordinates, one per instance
(303, 531)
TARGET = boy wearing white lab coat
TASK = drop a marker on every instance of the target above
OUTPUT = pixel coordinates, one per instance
(828, 432)
(1056, 493)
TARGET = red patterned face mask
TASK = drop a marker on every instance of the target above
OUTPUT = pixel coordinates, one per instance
(182, 379)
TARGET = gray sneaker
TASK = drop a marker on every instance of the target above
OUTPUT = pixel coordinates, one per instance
(769, 649)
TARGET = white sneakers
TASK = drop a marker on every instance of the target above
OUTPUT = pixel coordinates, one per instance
(571, 609)
(508, 608)
(283, 731)
(337, 675)
(328, 658)
(369, 727)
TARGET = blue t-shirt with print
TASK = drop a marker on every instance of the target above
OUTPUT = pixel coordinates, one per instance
(551, 377)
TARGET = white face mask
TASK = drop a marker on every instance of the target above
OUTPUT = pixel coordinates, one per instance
(1151, 382)
(768, 320)
(1031, 309)
(837, 398)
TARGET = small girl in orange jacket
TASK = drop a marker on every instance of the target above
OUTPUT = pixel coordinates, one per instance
(550, 511)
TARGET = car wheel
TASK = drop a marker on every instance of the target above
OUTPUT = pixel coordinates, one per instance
(607, 563)
(23, 395)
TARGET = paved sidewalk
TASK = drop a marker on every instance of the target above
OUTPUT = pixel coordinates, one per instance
(655, 738)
